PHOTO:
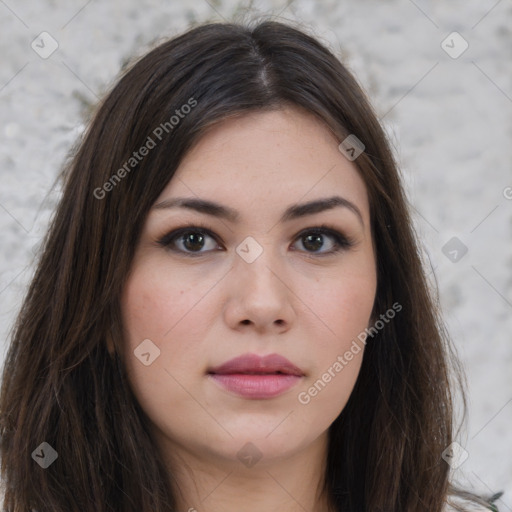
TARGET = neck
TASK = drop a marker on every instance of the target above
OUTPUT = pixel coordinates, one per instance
(207, 482)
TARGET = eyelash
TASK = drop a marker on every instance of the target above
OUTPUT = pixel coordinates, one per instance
(341, 242)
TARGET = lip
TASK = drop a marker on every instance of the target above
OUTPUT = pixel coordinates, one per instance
(256, 377)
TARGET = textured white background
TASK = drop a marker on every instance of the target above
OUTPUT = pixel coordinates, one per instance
(450, 121)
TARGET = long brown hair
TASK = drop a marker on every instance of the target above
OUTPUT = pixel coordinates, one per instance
(62, 386)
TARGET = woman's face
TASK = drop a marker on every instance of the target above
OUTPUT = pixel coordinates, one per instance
(252, 275)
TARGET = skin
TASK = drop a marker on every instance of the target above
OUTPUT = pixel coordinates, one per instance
(294, 299)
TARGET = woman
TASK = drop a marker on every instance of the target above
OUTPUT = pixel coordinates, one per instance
(230, 310)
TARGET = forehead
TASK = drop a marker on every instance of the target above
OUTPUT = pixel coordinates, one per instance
(265, 160)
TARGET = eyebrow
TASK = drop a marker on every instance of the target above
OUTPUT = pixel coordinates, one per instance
(294, 211)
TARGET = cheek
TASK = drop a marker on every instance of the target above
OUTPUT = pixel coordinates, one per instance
(343, 304)
(325, 395)
(337, 355)
(157, 305)
(163, 307)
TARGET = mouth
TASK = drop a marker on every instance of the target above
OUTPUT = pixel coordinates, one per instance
(256, 377)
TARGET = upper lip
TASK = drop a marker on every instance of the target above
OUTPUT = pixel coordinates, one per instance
(253, 363)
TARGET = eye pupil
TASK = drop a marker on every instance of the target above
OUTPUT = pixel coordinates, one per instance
(316, 240)
(196, 241)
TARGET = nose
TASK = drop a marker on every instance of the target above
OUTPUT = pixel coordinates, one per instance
(259, 296)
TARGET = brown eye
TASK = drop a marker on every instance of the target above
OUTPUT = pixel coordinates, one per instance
(314, 240)
(190, 240)
(193, 241)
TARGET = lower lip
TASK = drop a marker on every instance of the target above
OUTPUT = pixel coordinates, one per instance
(256, 386)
